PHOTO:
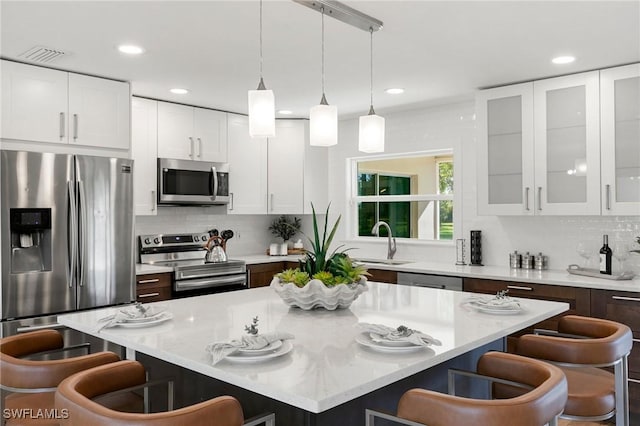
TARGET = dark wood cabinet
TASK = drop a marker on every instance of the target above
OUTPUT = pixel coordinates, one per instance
(579, 299)
(153, 287)
(623, 307)
(261, 274)
(383, 276)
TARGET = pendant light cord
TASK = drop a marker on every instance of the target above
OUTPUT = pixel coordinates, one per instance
(322, 60)
(260, 39)
(371, 68)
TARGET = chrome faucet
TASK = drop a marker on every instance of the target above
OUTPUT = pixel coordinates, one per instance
(390, 238)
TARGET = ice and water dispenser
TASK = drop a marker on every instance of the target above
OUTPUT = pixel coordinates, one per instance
(30, 240)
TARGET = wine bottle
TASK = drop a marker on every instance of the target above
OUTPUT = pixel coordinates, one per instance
(605, 256)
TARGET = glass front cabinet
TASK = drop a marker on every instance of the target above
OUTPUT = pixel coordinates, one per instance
(561, 146)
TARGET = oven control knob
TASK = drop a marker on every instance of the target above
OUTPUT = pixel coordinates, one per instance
(196, 238)
(156, 240)
(204, 238)
(147, 241)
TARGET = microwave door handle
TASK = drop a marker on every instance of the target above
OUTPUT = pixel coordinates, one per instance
(214, 182)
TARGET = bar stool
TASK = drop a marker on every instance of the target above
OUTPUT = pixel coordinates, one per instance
(76, 395)
(542, 397)
(32, 383)
(581, 347)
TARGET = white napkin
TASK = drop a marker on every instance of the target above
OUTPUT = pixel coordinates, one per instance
(415, 337)
(220, 350)
(135, 312)
(496, 302)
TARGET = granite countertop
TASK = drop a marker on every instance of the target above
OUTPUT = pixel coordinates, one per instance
(326, 367)
(551, 276)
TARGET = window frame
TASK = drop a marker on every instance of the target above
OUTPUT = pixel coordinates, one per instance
(353, 199)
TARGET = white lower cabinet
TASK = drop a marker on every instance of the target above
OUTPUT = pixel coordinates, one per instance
(144, 139)
(278, 175)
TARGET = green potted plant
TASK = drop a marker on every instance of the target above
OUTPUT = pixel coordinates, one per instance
(284, 228)
(324, 278)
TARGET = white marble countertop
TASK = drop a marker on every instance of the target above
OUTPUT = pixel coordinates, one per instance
(326, 367)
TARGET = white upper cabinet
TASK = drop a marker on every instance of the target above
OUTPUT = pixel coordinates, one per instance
(316, 176)
(247, 168)
(144, 139)
(190, 133)
(45, 105)
(99, 112)
(620, 140)
(567, 145)
(539, 147)
(286, 168)
(505, 150)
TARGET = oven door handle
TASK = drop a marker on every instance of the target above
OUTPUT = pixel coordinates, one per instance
(210, 282)
(180, 275)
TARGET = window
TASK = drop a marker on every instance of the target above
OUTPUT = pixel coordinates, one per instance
(413, 194)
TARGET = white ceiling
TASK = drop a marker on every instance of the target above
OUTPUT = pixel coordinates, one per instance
(439, 51)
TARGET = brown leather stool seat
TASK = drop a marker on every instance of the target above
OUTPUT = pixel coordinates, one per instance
(581, 346)
(540, 404)
(32, 383)
(76, 392)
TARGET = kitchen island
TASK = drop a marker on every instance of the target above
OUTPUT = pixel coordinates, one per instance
(327, 373)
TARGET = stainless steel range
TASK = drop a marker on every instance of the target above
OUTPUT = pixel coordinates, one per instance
(185, 253)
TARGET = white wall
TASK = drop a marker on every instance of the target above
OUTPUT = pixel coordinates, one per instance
(452, 126)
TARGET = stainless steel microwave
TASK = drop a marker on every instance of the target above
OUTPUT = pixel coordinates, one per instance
(192, 182)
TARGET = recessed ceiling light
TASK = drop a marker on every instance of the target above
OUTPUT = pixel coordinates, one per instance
(394, 91)
(563, 60)
(285, 112)
(179, 91)
(130, 49)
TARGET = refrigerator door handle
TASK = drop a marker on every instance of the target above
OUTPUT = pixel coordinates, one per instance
(72, 221)
(83, 230)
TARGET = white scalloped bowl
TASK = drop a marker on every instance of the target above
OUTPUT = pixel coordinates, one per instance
(317, 295)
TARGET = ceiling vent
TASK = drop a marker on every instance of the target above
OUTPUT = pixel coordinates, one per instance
(42, 55)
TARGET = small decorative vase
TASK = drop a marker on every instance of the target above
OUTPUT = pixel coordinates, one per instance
(284, 249)
(317, 295)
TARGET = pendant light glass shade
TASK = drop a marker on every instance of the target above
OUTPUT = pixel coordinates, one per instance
(323, 118)
(262, 112)
(371, 129)
(261, 102)
(323, 125)
(371, 133)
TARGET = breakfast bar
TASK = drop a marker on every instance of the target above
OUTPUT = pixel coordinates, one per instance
(327, 368)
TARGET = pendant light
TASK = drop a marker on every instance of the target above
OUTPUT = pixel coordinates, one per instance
(262, 115)
(371, 129)
(323, 118)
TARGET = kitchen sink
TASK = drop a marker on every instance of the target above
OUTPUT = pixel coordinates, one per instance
(385, 261)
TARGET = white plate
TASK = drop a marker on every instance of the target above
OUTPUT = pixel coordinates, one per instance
(269, 348)
(495, 310)
(148, 318)
(380, 340)
(164, 316)
(365, 340)
(283, 349)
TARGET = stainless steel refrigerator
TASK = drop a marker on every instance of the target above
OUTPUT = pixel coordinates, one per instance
(67, 236)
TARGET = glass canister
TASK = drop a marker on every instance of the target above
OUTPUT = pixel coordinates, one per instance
(515, 260)
(540, 261)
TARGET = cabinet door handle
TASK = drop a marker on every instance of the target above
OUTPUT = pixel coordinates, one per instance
(153, 199)
(62, 126)
(199, 147)
(526, 199)
(630, 299)
(191, 147)
(634, 381)
(142, 296)
(539, 198)
(636, 340)
(152, 280)
(517, 287)
(75, 126)
(608, 196)
(271, 201)
(231, 201)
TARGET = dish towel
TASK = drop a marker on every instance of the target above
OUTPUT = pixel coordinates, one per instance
(380, 332)
(132, 313)
(220, 350)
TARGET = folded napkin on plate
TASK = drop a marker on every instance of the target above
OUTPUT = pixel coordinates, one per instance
(137, 312)
(400, 334)
(497, 302)
(219, 350)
